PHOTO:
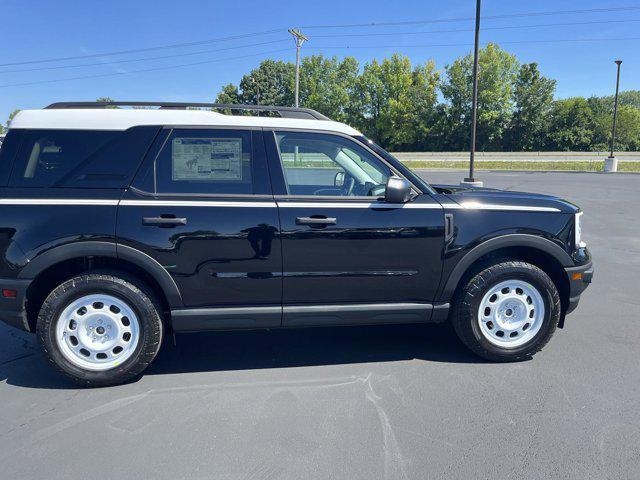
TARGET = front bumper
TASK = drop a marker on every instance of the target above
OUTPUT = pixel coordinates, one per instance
(579, 279)
(12, 310)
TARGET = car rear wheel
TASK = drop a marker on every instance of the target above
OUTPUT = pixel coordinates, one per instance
(507, 312)
(100, 329)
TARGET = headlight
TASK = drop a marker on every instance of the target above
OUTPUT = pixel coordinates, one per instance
(578, 231)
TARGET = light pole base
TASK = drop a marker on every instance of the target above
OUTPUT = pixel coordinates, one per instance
(471, 182)
(611, 165)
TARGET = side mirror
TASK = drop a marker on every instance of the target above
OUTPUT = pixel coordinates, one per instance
(338, 180)
(398, 190)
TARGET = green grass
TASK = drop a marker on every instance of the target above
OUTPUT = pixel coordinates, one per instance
(523, 165)
(562, 165)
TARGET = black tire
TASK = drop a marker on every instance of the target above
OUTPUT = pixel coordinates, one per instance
(466, 304)
(130, 290)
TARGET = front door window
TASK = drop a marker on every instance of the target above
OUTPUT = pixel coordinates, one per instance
(328, 165)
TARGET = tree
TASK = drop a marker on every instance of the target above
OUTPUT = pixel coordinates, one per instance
(269, 84)
(106, 99)
(602, 104)
(11, 116)
(496, 75)
(423, 97)
(396, 101)
(229, 94)
(627, 129)
(327, 85)
(533, 98)
(371, 101)
(397, 104)
(3, 129)
(571, 125)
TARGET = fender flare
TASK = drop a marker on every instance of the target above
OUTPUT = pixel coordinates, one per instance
(496, 243)
(111, 250)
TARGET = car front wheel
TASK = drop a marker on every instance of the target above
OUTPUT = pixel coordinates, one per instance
(507, 312)
(100, 329)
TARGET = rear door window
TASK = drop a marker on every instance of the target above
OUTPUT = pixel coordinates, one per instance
(210, 162)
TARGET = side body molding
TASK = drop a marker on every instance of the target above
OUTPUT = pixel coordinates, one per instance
(511, 240)
(105, 249)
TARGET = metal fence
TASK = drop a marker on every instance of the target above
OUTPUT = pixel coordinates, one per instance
(518, 156)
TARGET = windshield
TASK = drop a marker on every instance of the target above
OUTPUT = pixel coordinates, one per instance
(412, 176)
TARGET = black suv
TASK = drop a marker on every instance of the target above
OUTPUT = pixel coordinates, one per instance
(122, 224)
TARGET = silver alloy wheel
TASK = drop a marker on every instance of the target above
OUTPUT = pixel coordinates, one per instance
(97, 332)
(511, 313)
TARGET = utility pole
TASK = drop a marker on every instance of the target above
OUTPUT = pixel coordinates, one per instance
(474, 105)
(300, 39)
(611, 163)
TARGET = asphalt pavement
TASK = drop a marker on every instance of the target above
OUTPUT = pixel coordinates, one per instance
(402, 402)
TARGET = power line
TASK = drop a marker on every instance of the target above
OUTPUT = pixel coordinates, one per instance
(564, 40)
(487, 17)
(346, 47)
(508, 27)
(148, 49)
(143, 70)
(267, 32)
(200, 52)
(187, 44)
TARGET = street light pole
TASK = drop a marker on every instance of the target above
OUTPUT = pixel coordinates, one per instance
(611, 163)
(615, 109)
(300, 39)
(474, 105)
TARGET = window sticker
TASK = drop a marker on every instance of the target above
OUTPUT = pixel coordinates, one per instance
(208, 159)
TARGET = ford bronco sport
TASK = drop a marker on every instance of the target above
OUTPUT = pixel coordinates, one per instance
(121, 224)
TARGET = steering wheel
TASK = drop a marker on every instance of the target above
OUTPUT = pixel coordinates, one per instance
(376, 191)
(349, 185)
(345, 191)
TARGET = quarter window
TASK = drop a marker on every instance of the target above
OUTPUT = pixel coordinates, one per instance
(47, 157)
(327, 165)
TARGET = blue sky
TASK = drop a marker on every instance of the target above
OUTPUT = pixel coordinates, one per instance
(45, 29)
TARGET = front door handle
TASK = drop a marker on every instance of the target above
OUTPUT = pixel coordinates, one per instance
(163, 221)
(316, 221)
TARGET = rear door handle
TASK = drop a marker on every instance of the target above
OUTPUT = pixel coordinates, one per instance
(163, 221)
(316, 221)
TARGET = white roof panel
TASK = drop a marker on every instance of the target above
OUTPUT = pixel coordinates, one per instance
(122, 119)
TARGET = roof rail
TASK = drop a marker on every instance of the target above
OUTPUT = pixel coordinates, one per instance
(285, 112)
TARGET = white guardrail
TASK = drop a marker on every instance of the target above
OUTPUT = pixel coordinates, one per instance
(517, 156)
